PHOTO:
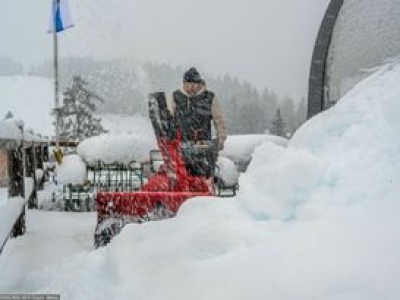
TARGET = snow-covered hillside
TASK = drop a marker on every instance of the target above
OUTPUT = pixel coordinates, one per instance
(318, 219)
(30, 99)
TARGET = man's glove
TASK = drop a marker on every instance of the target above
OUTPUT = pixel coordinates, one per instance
(172, 179)
(221, 145)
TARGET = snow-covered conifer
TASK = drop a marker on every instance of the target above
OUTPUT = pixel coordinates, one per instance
(278, 125)
(77, 115)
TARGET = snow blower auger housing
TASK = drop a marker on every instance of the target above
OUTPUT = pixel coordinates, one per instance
(164, 192)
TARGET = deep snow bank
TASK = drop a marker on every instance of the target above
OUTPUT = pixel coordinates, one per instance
(347, 156)
(316, 220)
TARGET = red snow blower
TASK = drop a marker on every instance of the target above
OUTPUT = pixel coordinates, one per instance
(165, 191)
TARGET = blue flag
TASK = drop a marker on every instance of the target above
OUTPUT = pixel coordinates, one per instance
(60, 16)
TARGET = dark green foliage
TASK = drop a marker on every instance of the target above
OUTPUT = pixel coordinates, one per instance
(126, 84)
(78, 121)
(278, 125)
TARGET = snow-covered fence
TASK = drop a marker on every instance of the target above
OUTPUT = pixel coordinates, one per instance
(12, 204)
(21, 153)
(35, 153)
(82, 180)
(124, 162)
(41, 168)
(116, 177)
(18, 166)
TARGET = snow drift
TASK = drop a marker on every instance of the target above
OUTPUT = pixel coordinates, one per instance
(316, 220)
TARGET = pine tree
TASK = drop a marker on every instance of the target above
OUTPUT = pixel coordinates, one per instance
(9, 115)
(301, 112)
(269, 102)
(277, 125)
(288, 114)
(77, 119)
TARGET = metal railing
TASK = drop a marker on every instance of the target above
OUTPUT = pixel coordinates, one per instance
(103, 177)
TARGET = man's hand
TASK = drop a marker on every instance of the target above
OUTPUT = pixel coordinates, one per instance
(221, 145)
(172, 178)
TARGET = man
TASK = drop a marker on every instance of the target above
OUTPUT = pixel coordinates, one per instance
(194, 109)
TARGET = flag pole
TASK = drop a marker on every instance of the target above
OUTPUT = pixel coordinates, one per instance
(61, 20)
(56, 95)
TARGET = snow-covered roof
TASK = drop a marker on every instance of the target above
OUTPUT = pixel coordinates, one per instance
(10, 131)
(13, 129)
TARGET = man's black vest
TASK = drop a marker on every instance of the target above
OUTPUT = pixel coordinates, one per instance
(193, 115)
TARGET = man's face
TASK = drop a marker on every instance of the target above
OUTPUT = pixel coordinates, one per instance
(197, 87)
(190, 88)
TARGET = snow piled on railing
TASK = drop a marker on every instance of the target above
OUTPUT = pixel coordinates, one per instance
(117, 148)
(9, 210)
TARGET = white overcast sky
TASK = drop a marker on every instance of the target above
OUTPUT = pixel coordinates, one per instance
(266, 42)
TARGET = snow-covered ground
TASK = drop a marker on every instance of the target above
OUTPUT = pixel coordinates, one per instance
(51, 238)
(318, 219)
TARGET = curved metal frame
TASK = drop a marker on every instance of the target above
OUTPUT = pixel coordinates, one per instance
(316, 85)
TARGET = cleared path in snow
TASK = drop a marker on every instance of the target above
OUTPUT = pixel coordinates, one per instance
(50, 237)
